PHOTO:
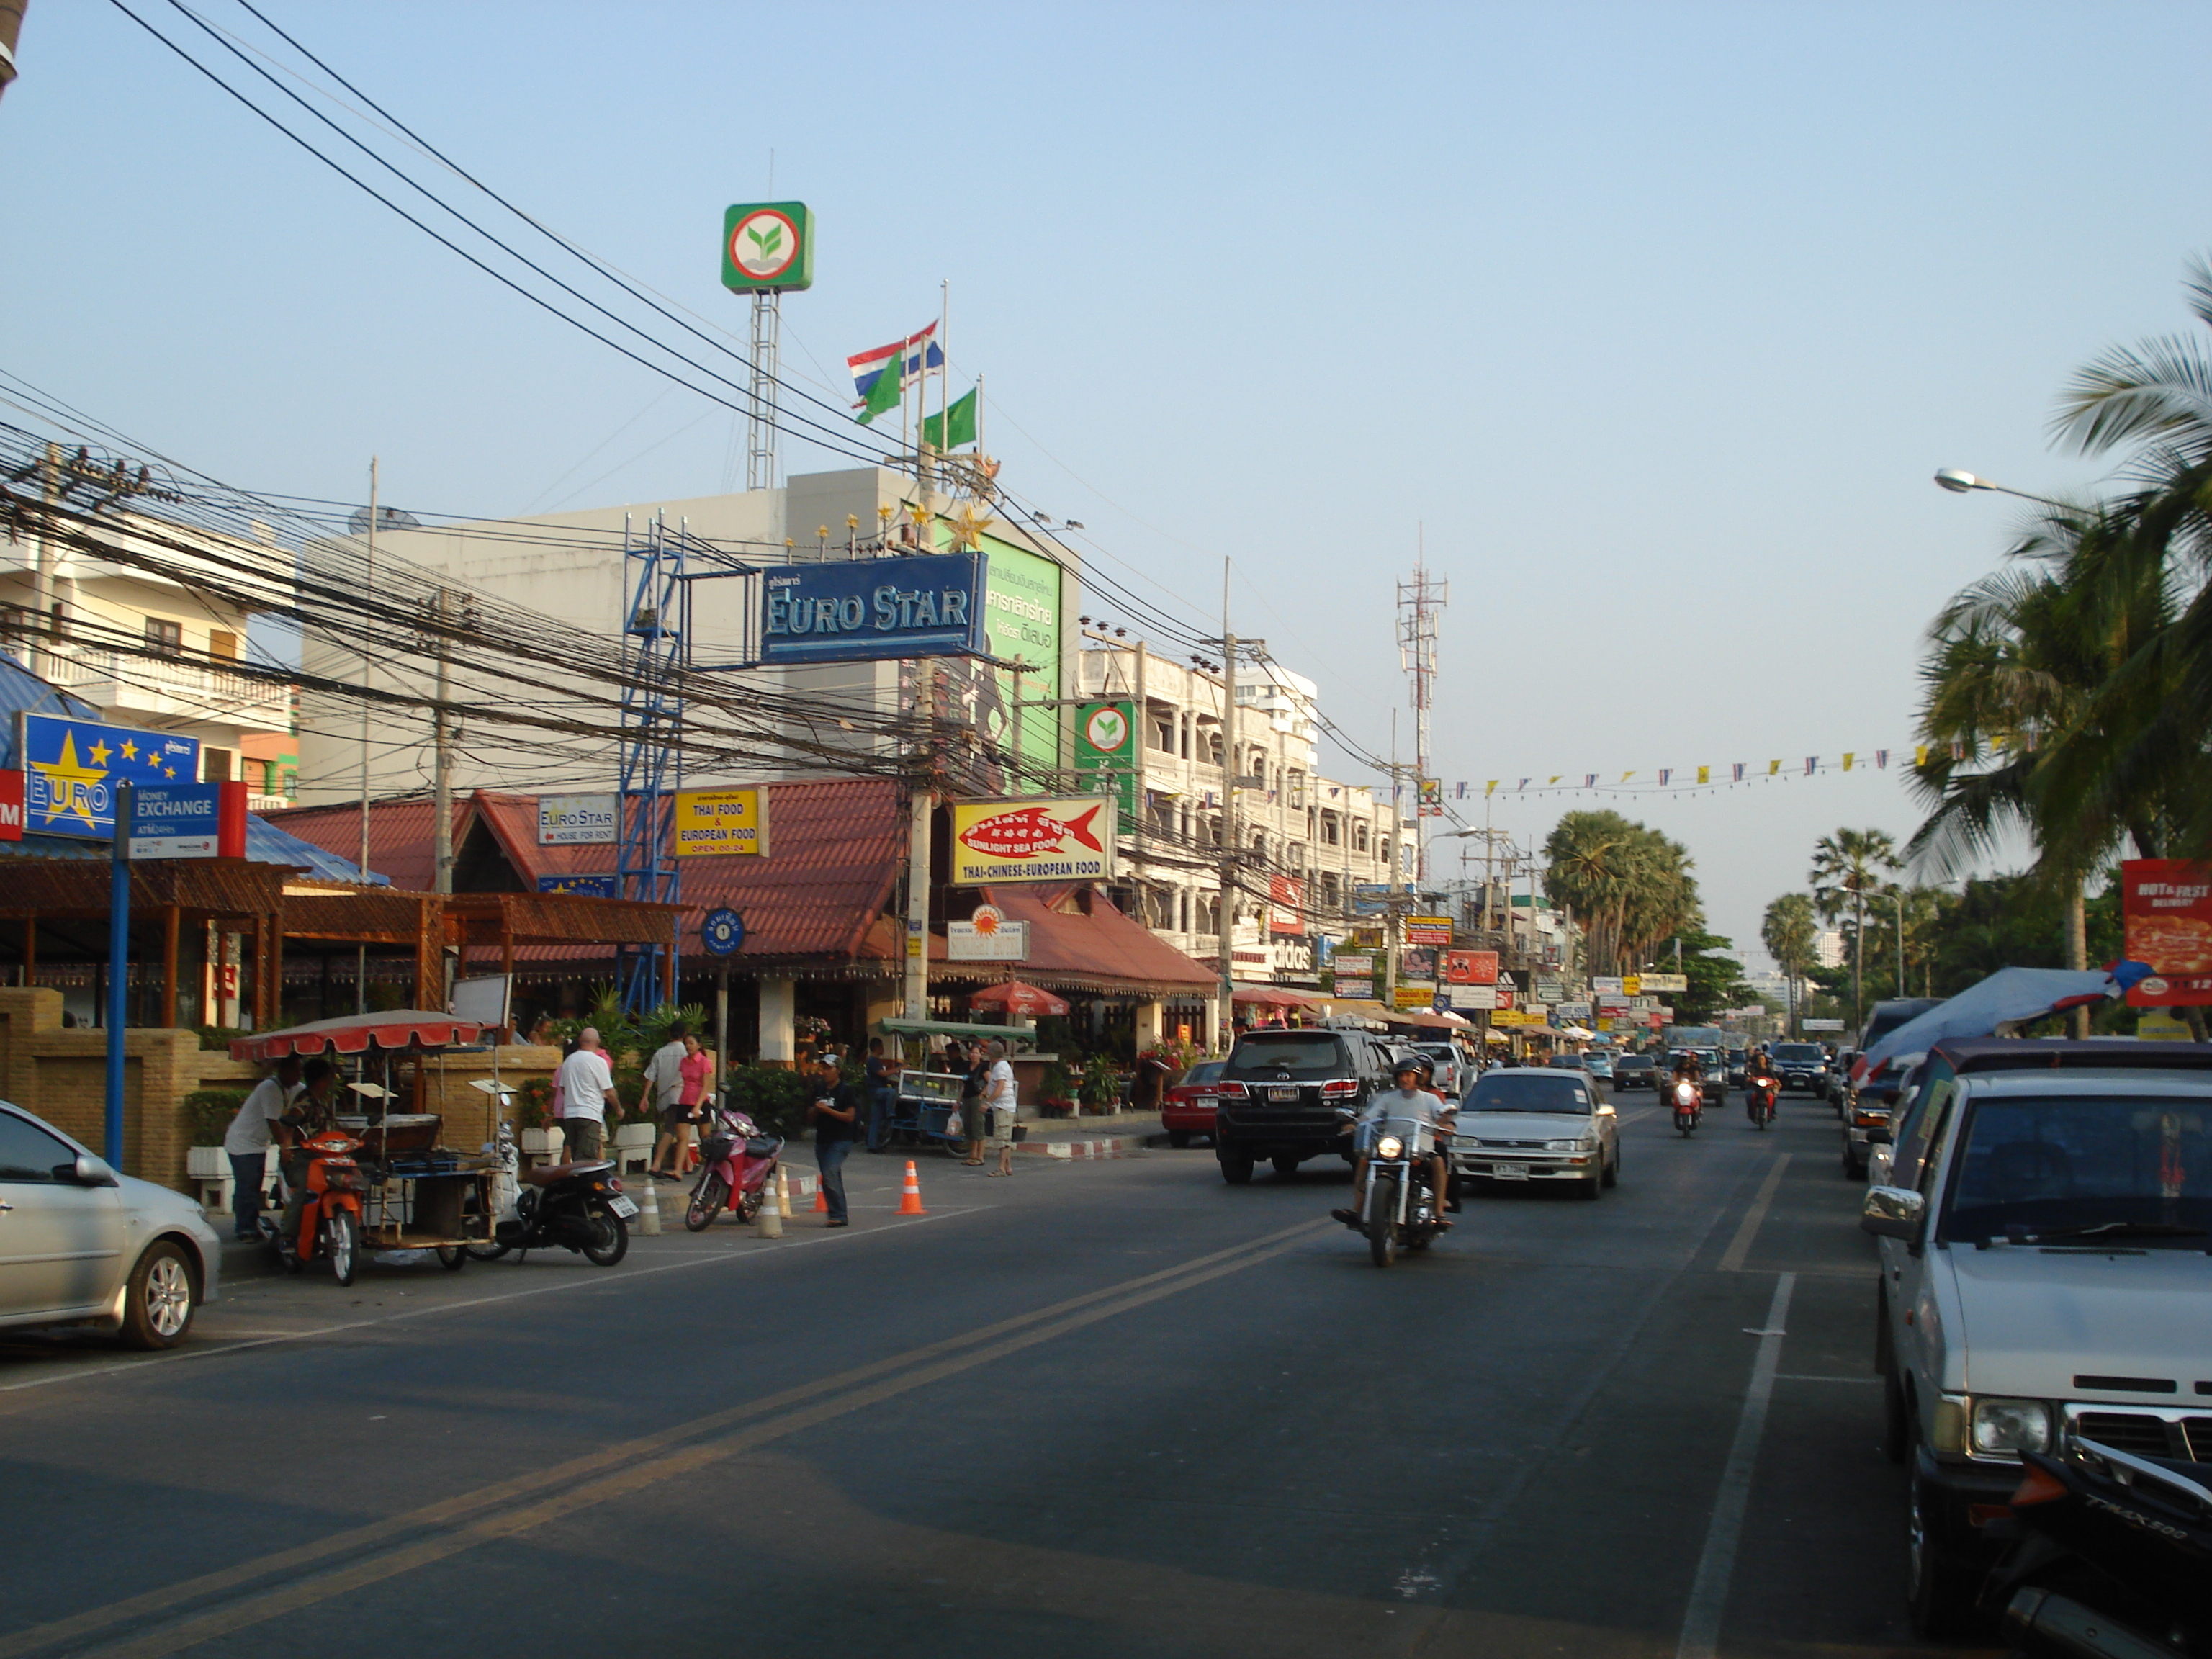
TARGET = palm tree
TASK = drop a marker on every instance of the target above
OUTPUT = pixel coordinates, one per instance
(1846, 866)
(1629, 884)
(1788, 933)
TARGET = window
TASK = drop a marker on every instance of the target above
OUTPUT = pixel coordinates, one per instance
(1213, 749)
(1331, 833)
(215, 765)
(1529, 1091)
(1163, 733)
(1329, 897)
(28, 1153)
(166, 638)
(1359, 835)
(222, 645)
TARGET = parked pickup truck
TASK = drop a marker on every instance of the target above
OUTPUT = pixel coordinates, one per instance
(2044, 1272)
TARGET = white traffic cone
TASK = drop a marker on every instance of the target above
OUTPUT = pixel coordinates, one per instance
(648, 1208)
(769, 1223)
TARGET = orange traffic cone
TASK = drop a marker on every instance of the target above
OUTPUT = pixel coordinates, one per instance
(820, 1197)
(910, 1200)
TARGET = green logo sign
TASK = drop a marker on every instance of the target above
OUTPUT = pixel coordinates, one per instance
(768, 247)
(1106, 747)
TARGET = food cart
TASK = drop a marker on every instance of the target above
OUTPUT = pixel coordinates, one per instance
(926, 1112)
(421, 1194)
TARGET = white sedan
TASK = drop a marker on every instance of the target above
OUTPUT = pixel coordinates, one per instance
(82, 1245)
(1520, 1124)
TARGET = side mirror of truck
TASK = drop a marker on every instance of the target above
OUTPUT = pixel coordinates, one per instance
(1893, 1213)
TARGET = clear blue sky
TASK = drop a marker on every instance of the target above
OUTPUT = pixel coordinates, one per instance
(1658, 318)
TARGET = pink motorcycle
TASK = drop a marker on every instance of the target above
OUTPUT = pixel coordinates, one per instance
(736, 1163)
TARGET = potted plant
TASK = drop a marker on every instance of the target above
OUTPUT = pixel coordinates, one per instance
(1056, 1090)
(1101, 1089)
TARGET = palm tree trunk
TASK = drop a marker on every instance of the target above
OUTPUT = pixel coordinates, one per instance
(2077, 944)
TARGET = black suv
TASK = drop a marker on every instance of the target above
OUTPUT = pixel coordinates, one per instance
(1280, 1092)
(1635, 1071)
(1800, 1065)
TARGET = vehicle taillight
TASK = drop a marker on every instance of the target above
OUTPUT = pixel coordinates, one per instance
(1234, 1091)
(1343, 1085)
(614, 1183)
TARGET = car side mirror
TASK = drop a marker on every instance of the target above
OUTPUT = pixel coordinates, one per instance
(89, 1172)
(1892, 1213)
(1605, 1110)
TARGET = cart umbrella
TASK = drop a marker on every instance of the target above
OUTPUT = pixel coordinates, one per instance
(1272, 996)
(356, 1034)
(1019, 1000)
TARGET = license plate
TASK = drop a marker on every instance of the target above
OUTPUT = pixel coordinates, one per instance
(1290, 1095)
(622, 1207)
(1509, 1171)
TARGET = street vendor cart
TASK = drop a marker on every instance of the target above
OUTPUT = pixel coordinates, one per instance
(416, 1193)
(926, 1112)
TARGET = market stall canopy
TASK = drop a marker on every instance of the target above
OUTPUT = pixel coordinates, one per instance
(1019, 1000)
(2005, 997)
(1273, 996)
(954, 1028)
(355, 1034)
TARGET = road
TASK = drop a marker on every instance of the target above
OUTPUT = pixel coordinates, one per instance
(1105, 1409)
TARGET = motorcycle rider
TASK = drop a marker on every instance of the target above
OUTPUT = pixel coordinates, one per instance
(1413, 1099)
(1688, 1069)
(1759, 1075)
(312, 1112)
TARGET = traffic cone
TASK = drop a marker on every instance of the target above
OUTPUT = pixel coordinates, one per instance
(648, 1209)
(820, 1197)
(769, 1223)
(910, 1200)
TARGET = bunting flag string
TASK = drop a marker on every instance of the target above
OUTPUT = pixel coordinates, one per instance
(1672, 780)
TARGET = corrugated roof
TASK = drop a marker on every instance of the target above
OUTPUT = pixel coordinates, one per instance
(22, 691)
(398, 836)
(1103, 951)
(264, 844)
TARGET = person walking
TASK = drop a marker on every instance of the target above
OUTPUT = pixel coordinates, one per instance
(836, 1114)
(999, 1096)
(247, 1143)
(586, 1084)
(882, 1083)
(664, 1091)
(679, 1124)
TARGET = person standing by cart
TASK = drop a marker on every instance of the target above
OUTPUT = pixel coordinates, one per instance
(247, 1142)
(975, 1081)
(836, 1114)
(883, 1078)
(586, 1086)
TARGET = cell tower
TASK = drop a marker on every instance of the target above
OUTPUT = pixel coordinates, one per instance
(1421, 600)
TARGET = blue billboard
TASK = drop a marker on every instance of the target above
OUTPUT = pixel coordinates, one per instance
(926, 605)
(580, 886)
(71, 767)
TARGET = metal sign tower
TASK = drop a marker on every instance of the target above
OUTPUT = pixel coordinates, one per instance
(1421, 600)
(761, 422)
(768, 251)
(651, 761)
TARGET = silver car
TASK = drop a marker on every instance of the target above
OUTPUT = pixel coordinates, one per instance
(82, 1245)
(1523, 1124)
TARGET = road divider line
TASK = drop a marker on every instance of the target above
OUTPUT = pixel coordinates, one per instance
(1708, 1591)
(1740, 1246)
(666, 1454)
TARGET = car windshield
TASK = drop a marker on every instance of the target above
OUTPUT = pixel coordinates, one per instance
(1207, 1071)
(2108, 1167)
(1789, 1054)
(1521, 1091)
(1301, 1055)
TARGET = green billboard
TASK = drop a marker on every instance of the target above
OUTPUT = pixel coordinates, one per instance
(768, 247)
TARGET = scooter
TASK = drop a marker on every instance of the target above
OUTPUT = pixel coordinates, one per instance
(578, 1206)
(2113, 1551)
(1762, 1090)
(1689, 1107)
(736, 1163)
(330, 1221)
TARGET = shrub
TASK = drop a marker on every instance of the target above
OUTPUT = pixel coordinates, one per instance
(533, 1106)
(209, 1112)
(1101, 1081)
(216, 1038)
(775, 1098)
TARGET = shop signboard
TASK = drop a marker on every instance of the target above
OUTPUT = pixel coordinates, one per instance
(71, 767)
(1418, 961)
(1603, 985)
(1469, 999)
(1352, 988)
(1470, 967)
(1052, 838)
(1427, 930)
(1549, 990)
(2166, 906)
(591, 886)
(577, 820)
(922, 605)
(188, 821)
(1661, 984)
(1106, 754)
(1370, 898)
(1576, 1013)
(1286, 905)
(1413, 996)
(717, 823)
(1507, 994)
(966, 941)
(11, 806)
(1820, 1024)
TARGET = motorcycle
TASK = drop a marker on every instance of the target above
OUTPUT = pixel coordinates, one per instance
(578, 1206)
(1762, 1092)
(1401, 1211)
(2111, 1555)
(330, 1221)
(1689, 1106)
(736, 1163)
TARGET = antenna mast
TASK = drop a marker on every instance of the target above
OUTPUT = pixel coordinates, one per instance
(1421, 600)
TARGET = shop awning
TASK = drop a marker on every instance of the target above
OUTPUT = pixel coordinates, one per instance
(356, 1034)
(1273, 996)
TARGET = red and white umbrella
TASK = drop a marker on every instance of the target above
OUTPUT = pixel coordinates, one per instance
(356, 1034)
(1019, 1000)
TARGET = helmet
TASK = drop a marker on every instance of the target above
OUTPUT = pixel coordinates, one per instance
(1420, 1065)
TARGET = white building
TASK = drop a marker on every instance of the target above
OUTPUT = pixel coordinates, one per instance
(155, 650)
(1311, 839)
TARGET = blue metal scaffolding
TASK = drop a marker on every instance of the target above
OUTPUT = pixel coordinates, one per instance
(651, 761)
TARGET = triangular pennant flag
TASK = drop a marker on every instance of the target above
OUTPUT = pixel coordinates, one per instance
(1625, 776)
(1704, 774)
(1773, 767)
(1920, 754)
(1847, 759)
(1739, 772)
(1555, 777)
(1490, 787)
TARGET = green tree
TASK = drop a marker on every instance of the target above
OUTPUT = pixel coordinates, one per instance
(1846, 868)
(1788, 930)
(1628, 886)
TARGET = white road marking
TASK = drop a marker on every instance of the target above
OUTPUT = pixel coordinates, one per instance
(1740, 1246)
(1708, 1591)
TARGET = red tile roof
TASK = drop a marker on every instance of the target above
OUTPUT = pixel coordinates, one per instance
(1069, 950)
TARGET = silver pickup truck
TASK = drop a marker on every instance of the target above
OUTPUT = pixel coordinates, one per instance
(2045, 1272)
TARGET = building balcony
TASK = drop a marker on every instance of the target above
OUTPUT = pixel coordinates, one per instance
(179, 690)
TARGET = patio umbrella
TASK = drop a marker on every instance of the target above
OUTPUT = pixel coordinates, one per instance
(1270, 996)
(1019, 1000)
(2009, 995)
(355, 1034)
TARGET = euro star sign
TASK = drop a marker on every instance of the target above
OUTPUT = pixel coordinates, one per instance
(1030, 830)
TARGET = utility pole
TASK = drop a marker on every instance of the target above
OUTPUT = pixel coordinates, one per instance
(48, 658)
(921, 804)
(1231, 766)
(368, 582)
(441, 775)
(1421, 600)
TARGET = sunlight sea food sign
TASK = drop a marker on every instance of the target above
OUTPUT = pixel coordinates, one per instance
(1053, 839)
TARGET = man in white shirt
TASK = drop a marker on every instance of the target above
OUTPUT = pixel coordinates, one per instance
(1409, 1100)
(247, 1140)
(587, 1084)
(664, 1091)
(1000, 1100)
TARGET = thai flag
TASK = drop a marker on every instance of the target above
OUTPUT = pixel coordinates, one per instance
(1589, 780)
(1812, 765)
(1738, 770)
(1665, 773)
(919, 351)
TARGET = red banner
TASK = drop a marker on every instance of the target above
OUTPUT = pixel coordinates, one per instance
(1286, 905)
(2166, 906)
(11, 806)
(1470, 967)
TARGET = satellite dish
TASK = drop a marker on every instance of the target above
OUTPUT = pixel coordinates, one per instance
(388, 518)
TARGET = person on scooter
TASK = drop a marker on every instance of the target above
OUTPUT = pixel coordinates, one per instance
(310, 1113)
(1412, 1099)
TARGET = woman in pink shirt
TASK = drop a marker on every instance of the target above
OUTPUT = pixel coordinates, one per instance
(683, 1120)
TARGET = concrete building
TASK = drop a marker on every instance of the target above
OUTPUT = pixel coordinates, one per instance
(157, 651)
(1311, 838)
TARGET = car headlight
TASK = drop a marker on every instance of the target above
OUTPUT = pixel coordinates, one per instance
(1389, 1146)
(2002, 1426)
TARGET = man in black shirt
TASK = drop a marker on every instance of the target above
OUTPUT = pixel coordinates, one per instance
(837, 1120)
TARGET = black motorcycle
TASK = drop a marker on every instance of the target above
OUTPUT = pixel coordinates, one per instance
(1401, 1210)
(578, 1206)
(2112, 1557)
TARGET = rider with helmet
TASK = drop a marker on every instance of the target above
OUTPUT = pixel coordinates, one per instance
(1412, 1098)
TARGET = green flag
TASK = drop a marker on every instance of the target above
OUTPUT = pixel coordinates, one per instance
(889, 389)
(960, 419)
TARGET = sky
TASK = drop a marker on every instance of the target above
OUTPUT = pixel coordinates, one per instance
(1645, 324)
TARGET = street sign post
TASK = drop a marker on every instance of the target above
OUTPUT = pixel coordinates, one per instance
(119, 972)
(722, 933)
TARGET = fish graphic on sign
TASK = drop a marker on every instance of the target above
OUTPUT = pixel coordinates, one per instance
(1031, 830)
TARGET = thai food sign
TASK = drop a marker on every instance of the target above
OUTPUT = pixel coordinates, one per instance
(1059, 838)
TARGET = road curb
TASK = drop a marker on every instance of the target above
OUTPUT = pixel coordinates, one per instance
(1103, 1146)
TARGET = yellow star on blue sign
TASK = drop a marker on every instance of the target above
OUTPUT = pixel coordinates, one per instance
(69, 783)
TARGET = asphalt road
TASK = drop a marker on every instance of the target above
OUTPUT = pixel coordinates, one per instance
(1107, 1409)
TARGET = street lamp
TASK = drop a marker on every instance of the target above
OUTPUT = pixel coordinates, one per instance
(1960, 484)
(1896, 896)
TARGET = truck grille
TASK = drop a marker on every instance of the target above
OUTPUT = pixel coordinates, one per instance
(2147, 1434)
